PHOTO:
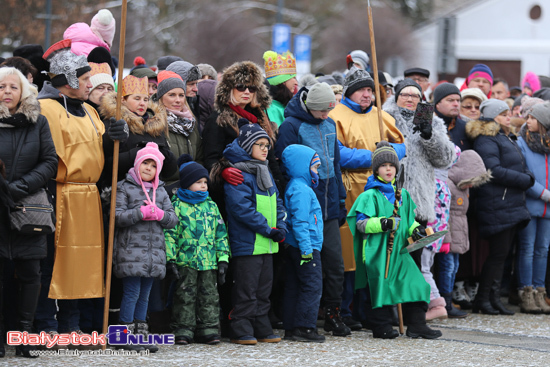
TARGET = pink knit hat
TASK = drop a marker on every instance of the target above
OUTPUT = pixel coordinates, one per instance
(103, 25)
(151, 151)
(531, 80)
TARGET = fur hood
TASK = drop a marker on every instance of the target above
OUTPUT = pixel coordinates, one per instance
(246, 73)
(30, 107)
(155, 126)
(476, 128)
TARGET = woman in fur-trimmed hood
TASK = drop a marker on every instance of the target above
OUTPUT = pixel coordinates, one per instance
(234, 100)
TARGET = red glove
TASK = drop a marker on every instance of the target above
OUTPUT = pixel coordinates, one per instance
(233, 176)
(445, 248)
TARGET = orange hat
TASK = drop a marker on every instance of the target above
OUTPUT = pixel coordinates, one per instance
(134, 85)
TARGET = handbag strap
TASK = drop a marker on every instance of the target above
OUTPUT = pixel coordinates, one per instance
(17, 153)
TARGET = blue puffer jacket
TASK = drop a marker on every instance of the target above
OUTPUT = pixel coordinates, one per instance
(500, 203)
(251, 212)
(300, 127)
(304, 212)
(539, 164)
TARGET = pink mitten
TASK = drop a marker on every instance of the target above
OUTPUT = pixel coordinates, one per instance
(159, 212)
(445, 248)
(148, 212)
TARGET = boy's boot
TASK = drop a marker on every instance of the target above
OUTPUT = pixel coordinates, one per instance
(304, 334)
(540, 300)
(528, 304)
(497, 304)
(131, 331)
(414, 316)
(28, 299)
(452, 311)
(460, 297)
(142, 328)
(334, 323)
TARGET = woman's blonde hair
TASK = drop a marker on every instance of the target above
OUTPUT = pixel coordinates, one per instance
(253, 103)
(26, 87)
(411, 90)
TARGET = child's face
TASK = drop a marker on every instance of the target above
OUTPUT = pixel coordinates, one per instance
(257, 151)
(148, 170)
(532, 124)
(200, 185)
(315, 168)
(387, 171)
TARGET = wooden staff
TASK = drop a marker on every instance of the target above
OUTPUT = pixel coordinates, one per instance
(118, 115)
(375, 72)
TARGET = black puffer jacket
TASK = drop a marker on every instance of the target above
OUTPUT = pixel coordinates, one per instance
(500, 204)
(35, 166)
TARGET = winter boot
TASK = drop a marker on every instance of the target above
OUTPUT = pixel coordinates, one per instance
(334, 323)
(460, 297)
(436, 309)
(28, 300)
(131, 330)
(414, 316)
(540, 300)
(452, 311)
(353, 324)
(385, 332)
(528, 304)
(494, 298)
(142, 328)
(482, 304)
(471, 290)
(304, 334)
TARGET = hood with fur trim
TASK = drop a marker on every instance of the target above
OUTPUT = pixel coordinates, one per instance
(155, 125)
(30, 107)
(476, 128)
(246, 73)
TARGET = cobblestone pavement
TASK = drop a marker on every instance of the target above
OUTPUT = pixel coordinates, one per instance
(478, 340)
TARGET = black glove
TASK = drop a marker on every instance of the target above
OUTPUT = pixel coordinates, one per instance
(425, 129)
(172, 272)
(118, 130)
(390, 224)
(277, 235)
(18, 190)
(418, 233)
(342, 215)
(222, 271)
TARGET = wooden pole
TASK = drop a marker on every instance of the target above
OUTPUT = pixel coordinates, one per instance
(118, 114)
(375, 72)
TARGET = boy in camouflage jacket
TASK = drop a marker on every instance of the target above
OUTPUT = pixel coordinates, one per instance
(197, 251)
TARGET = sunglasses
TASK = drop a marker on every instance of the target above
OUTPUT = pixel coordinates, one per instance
(242, 88)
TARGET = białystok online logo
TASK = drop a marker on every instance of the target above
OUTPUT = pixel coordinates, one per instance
(117, 335)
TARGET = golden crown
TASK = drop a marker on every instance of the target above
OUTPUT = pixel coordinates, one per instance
(135, 85)
(276, 64)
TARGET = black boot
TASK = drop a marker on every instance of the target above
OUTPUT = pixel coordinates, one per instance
(131, 330)
(334, 323)
(28, 299)
(481, 302)
(452, 311)
(414, 316)
(2, 333)
(494, 298)
(385, 332)
(143, 328)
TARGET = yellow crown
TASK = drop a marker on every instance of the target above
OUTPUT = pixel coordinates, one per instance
(102, 68)
(135, 85)
(276, 64)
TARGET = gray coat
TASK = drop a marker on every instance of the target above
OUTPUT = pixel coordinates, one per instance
(421, 159)
(139, 247)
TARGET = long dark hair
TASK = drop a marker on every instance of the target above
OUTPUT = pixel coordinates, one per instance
(280, 93)
(542, 135)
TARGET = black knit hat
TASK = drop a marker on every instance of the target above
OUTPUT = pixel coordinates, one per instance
(384, 153)
(443, 90)
(404, 84)
(250, 133)
(190, 171)
(357, 79)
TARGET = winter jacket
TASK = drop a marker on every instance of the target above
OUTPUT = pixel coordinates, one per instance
(139, 247)
(207, 91)
(304, 221)
(500, 204)
(83, 39)
(35, 166)
(423, 155)
(199, 239)
(469, 170)
(300, 127)
(539, 164)
(153, 129)
(251, 212)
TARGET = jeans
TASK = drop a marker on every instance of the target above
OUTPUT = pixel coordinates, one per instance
(135, 298)
(533, 252)
(448, 267)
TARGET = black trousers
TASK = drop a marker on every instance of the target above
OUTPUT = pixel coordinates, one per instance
(333, 264)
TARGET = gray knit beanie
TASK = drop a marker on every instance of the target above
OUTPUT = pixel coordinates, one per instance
(407, 82)
(443, 90)
(491, 108)
(384, 153)
(187, 71)
(357, 79)
(541, 112)
(320, 98)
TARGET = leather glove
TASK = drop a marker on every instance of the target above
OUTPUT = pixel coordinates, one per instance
(425, 130)
(149, 212)
(342, 215)
(418, 233)
(18, 190)
(277, 235)
(118, 130)
(390, 224)
(233, 176)
(222, 271)
(172, 272)
(445, 248)
(306, 259)
(545, 195)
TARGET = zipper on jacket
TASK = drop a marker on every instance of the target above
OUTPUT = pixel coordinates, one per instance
(327, 180)
(504, 195)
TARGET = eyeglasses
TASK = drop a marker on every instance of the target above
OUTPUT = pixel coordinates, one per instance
(242, 88)
(263, 146)
(414, 97)
(470, 107)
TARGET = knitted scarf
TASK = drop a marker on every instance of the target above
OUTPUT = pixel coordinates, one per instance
(258, 169)
(241, 112)
(535, 142)
(179, 122)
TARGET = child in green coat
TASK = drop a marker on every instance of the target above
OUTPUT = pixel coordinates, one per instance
(377, 212)
(197, 253)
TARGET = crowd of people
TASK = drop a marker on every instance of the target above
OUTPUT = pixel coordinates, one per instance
(249, 201)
